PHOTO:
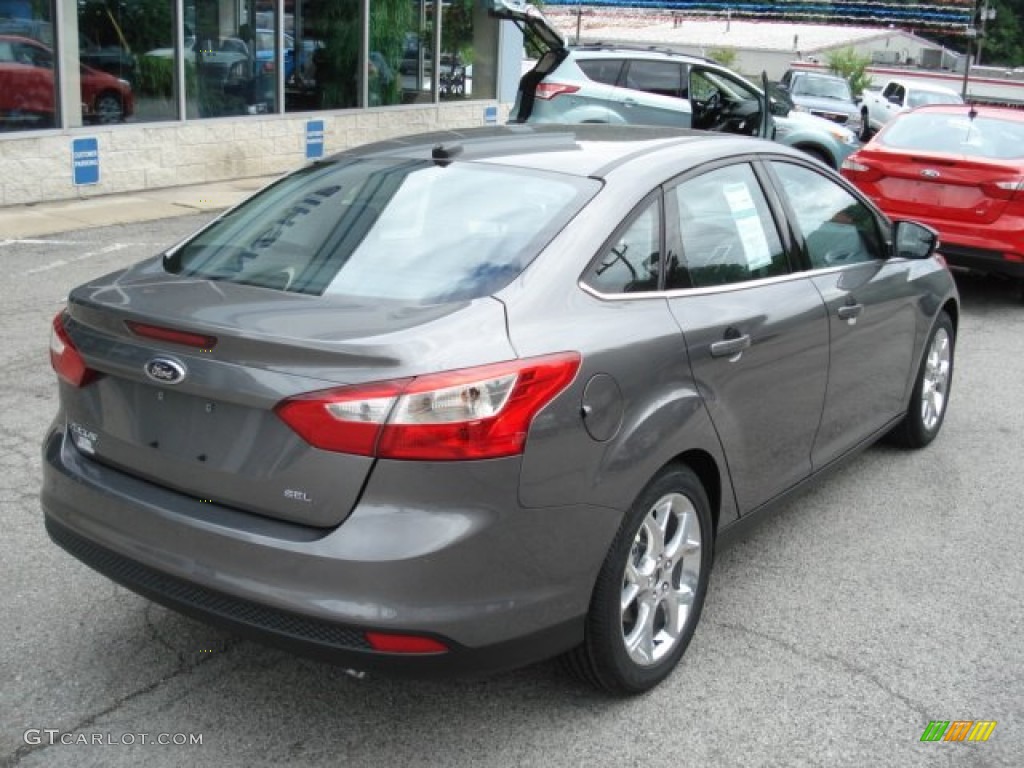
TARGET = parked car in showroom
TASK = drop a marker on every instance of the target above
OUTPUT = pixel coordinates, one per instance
(27, 88)
(958, 169)
(532, 442)
(622, 85)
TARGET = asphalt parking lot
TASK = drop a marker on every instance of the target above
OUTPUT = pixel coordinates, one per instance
(885, 598)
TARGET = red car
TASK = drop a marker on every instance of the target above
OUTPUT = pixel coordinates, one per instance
(27, 88)
(959, 169)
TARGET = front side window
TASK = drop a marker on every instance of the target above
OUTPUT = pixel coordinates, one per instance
(631, 263)
(398, 229)
(838, 229)
(727, 232)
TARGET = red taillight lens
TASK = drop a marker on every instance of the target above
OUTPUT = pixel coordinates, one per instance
(473, 413)
(381, 641)
(65, 357)
(550, 90)
(1003, 190)
(858, 171)
(198, 340)
(346, 420)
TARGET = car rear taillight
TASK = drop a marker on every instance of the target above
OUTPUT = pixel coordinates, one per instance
(173, 335)
(547, 90)
(1003, 190)
(472, 413)
(853, 169)
(65, 358)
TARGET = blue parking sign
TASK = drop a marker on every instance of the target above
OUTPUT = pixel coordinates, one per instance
(85, 161)
(314, 139)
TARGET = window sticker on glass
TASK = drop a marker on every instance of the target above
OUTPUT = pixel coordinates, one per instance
(748, 225)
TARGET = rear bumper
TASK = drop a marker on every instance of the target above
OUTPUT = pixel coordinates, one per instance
(500, 587)
(980, 259)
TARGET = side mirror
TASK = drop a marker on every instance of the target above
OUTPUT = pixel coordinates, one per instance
(914, 241)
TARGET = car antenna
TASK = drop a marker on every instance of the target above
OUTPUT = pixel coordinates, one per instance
(443, 155)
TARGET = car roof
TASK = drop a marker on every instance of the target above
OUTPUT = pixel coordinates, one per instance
(615, 51)
(581, 150)
(981, 110)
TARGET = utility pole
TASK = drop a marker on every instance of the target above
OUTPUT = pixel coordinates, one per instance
(971, 32)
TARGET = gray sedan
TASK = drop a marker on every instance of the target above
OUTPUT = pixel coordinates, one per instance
(459, 402)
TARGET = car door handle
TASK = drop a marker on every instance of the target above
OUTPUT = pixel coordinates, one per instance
(629, 102)
(731, 347)
(850, 311)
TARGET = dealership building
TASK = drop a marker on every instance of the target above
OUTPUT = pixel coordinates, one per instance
(102, 96)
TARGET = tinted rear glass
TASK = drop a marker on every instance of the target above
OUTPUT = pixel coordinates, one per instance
(957, 134)
(601, 70)
(388, 228)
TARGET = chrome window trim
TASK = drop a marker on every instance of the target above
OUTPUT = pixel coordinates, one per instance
(728, 288)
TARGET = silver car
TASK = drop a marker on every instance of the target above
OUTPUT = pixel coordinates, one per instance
(463, 401)
(621, 85)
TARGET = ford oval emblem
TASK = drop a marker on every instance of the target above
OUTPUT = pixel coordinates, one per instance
(165, 370)
(928, 173)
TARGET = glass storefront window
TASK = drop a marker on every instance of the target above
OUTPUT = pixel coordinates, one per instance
(325, 42)
(28, 97)
(231, 58)
(235, 56)
(126, 53)
(401, 52)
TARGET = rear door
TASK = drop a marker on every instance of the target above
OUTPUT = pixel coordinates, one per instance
(757, 333)
(653, 92)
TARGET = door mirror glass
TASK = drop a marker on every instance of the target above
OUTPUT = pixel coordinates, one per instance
(914, 241)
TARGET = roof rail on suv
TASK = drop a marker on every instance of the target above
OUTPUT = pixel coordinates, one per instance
(603, 46)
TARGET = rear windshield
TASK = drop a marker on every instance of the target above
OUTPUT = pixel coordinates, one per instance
(388, 228)
(958, 134)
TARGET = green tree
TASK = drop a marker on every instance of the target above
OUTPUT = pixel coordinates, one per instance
(724, 56)
(852, 67)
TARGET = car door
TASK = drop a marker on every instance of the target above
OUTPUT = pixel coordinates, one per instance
(723, 102)
(871, 306)
(653, 92)
(756, 332)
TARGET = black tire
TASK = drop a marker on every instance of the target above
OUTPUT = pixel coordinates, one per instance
(820, 155)
(603, 659)
(865, 127)
(930, 398)
(109, 108)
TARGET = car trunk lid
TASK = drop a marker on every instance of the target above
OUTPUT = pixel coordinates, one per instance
(943, 185)
(199, 418)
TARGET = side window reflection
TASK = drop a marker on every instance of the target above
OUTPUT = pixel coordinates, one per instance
(837, 228)
(632, 263)
(727, 231)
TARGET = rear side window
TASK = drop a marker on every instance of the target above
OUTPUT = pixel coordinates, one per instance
(727, 232)
(601, 70)
(632, 262)
(664, 78)
(393, 228)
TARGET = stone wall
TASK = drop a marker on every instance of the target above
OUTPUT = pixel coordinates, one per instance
(37, 167)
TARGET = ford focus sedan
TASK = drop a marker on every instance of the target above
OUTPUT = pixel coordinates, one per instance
(460, 402)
